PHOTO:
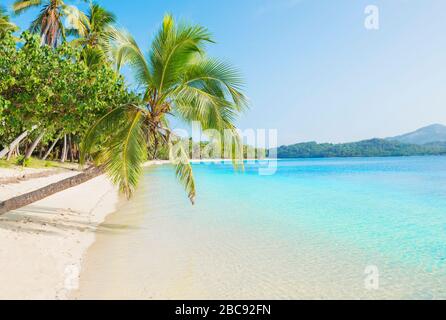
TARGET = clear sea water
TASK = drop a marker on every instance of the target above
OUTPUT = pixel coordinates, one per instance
(310, 231)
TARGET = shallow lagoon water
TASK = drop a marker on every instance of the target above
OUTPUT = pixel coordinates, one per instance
(309, 231)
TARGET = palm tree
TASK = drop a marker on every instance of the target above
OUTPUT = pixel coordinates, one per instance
(176, 79)
(98, 21)
(49, 23)
(94, 36)
(5, 24)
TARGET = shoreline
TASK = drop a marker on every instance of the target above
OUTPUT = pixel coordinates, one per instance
(44, 244)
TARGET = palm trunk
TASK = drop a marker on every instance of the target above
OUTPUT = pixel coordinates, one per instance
(70, 143)
(155, 147)
(64, 149)
(47, 154)
(34, 145)
(14, 144)
(29, 198)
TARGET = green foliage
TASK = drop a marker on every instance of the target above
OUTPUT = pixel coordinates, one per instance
(6, 26)
(368, 148)
(33, 163)
(183, 169)
(52, 89)
(22, 161)
(93, 38)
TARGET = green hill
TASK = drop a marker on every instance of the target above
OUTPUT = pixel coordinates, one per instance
(367, 148)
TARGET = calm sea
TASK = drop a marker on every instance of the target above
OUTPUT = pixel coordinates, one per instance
(358, 228)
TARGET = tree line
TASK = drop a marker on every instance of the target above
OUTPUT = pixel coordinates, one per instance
(367, 148)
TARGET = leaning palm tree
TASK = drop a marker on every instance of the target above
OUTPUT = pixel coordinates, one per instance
(49, 23)
(176, 79)
(5, 24)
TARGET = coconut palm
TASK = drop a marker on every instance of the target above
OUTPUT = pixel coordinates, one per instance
(49, 23)
(176, 79)
(93, 37)
(5, 24)
(98, 21)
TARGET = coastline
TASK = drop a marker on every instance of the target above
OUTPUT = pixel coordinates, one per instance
(44, 244)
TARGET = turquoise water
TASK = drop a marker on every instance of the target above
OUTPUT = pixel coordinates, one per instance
(308, 231)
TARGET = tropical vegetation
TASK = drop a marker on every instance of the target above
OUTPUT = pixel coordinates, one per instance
(62, 95)
(49, 93)
(50, 22)
(5, 24)
(177, 78)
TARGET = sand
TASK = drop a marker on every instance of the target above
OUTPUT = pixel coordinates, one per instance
(43, 245)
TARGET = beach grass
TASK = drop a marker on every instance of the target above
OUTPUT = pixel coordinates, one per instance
(35, 163)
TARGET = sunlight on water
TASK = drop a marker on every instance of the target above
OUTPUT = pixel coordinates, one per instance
(309, 231)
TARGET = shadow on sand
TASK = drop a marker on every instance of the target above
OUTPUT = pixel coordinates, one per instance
(54, 221)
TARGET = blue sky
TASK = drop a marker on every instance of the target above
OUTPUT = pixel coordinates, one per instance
(313, 71)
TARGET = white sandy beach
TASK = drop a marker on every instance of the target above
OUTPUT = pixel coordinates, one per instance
(43, 244)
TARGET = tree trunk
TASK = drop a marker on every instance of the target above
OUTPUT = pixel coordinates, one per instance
(47, 154)
(155, 147)
(64, 149)
(29, 198)
(34, 145)
(11, 153)
(14, 144)
(70, 143)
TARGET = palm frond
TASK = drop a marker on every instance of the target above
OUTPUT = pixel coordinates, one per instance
(5, 24)
(183, 168)
(127, 153)
(93, 57)
(76, 20)
(212, 72)
(173, 49)
(123, 49)
(36, 24)
(235, 148)
(99, 18)
(197, 104)
(209, 92)
(105, 126)
(20, 6)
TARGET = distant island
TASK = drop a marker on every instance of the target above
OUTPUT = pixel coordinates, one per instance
(430, 140)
